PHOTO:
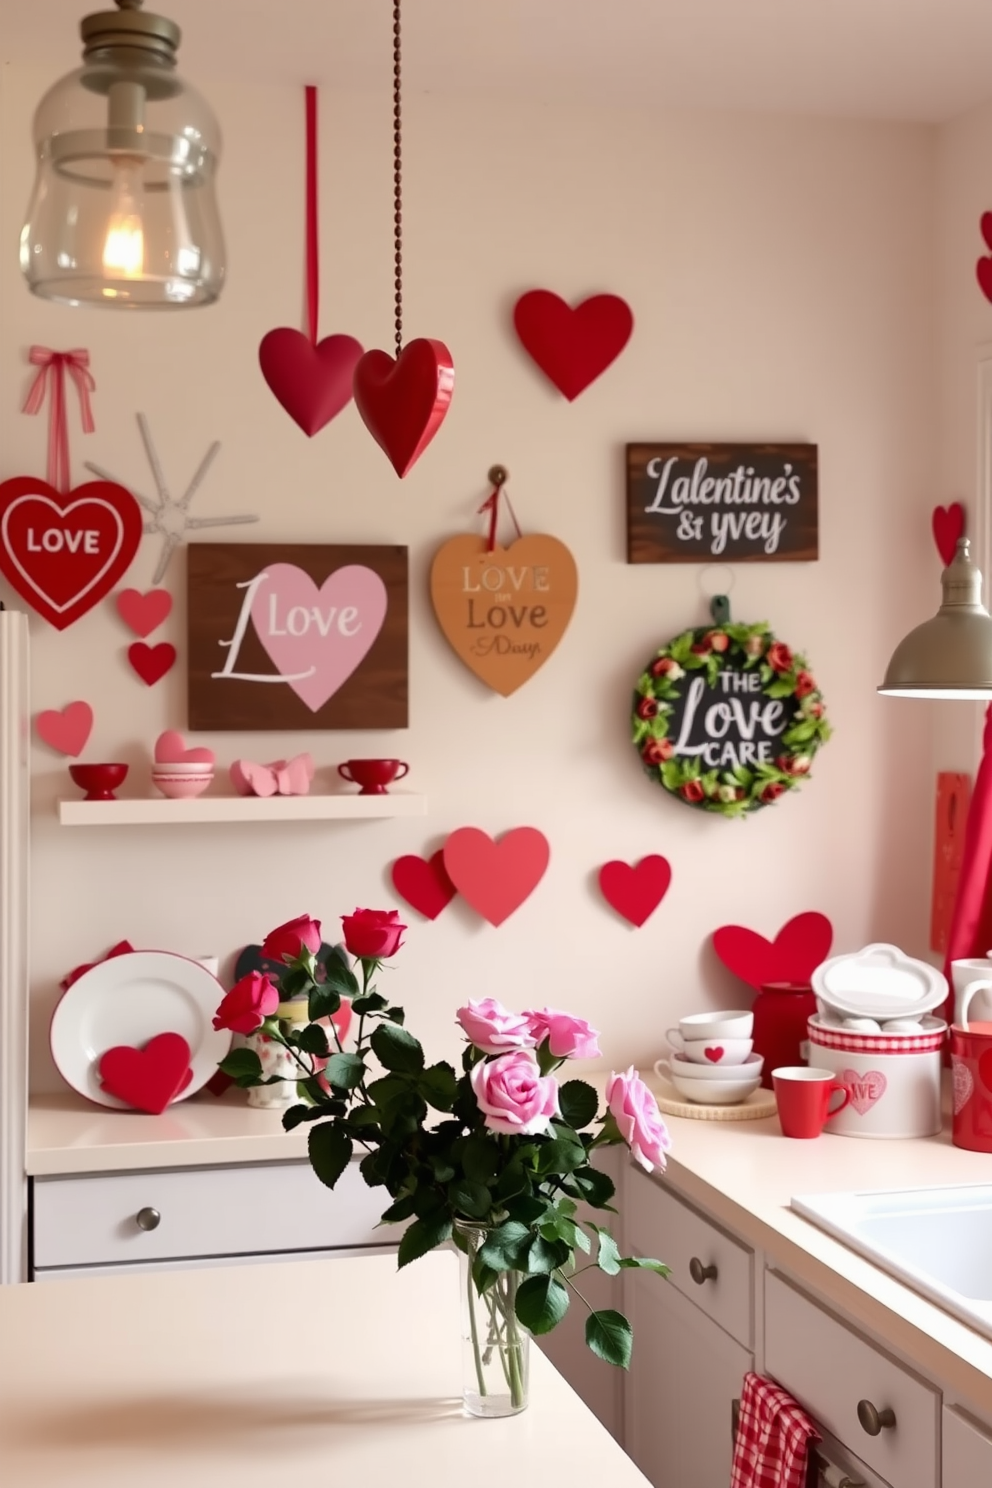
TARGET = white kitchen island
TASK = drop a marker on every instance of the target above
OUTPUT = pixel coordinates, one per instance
(287, 1373)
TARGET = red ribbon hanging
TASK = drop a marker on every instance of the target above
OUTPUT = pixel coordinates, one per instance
(52, 367)
(313, 263)
(491, 505)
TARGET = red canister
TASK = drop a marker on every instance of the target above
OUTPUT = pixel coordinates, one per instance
(781, 1012)
(971, 1063)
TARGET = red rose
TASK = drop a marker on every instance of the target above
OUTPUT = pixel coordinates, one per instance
(666, 666)
(691, 791)
(647, 708)
(656, 751)
(248, 1004)
(804, 684)
(718, 640)
(779, 657)
(702, 647)
(288, 942)
(772, 791)
(794, 764)
(815, 710)
(373, 933)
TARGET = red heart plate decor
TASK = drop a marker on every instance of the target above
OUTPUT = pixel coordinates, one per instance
(64, 553)
(948, 526)
(572, 345)
(424, 883)
(496, 877)
(635, 890)
(795, 953)
(312, 382)
(149, 1078)
(403, 400)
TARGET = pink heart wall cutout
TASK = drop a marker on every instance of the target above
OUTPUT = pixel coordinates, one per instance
(315, 638)
(151, 662)
(635, 891)
(144, 613)
(402, 401)
(866, 1090)
(948, 526)
(147, 1078)
(572, 346)
(424, 883)
(170, 749)
(496, 877)
(66, 731)
(313, 383)
(793, 956)
(280, 778)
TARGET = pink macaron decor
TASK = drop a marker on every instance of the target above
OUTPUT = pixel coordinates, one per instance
(179, 772)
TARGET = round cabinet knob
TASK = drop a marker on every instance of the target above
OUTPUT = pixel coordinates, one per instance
(873, 1420)
(701, 1273)
(148, 1219)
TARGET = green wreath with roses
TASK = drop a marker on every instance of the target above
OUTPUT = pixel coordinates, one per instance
(708, 651)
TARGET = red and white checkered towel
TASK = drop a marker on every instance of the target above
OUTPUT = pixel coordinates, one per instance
(773, 1434)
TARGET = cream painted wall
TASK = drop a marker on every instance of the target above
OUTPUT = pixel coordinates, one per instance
(781, 275)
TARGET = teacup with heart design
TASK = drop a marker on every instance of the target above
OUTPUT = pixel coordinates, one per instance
(373, 775)
(711, 1027)
(710, 1051)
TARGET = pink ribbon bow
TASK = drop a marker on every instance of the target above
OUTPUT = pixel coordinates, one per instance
(52, 367)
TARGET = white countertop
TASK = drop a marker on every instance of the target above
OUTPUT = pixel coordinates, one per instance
(343, 1371)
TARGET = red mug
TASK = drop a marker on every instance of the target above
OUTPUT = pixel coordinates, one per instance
(373, 775)
(971, 1066)
(803, 1097)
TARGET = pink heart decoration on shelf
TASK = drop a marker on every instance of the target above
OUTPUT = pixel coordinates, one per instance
(572, 345)
(714, 1054)
(402, 401)
(281, 778)
(144, 613)
(496, 877)
(151, 662)
(170, 749)
(948, 526)
(147, 1078)
(866, 1090)
(424, 883)
(792, 956)
(66, 731)
(312, 382)
(635, 891)
(316, 663)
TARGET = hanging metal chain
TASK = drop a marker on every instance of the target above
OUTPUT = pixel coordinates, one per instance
(397, 181)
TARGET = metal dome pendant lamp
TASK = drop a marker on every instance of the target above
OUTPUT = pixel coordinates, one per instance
(949, 656)
(123, 212)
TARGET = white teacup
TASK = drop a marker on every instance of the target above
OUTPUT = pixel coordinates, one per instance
(966, 972)
(709, 1074)
(710, 1051)
(735, 1024)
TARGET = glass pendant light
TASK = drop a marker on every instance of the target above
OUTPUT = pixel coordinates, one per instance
(949, 656)
(123, 211)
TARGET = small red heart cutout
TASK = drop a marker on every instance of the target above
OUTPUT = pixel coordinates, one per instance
(714, 1054)
(147, 1078)
(985, 224)
(313, 383)
(403, 401)
(67, 731)
(948, 526)
(572, 346)
(496, 877)
(424, 883)
(635, 891)
(144, 613)
(151, 662)
(792, 956)
(983, 272)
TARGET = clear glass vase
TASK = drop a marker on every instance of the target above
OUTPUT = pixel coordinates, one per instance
(495, 1345)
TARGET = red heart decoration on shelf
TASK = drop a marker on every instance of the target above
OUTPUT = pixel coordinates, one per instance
(313, 383)
(496, 877)
(64, 553)
(147, 1078)
(948, 526)
(793, 956)
(635, 891)
(424, 883)
(152, 662)
(572, 346)
(403, 401)
(144, 613)
(67, 731)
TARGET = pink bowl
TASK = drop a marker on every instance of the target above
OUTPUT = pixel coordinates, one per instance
(181, 787)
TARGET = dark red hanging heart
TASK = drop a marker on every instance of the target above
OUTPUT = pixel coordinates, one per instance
(424, 883)
(948, 526)
(64, 552)
(403, 400)
(983, 268)
(572, 346)
(635, 891)
(313, 383)
(792, 956)
(147, 1078)
(152, 662)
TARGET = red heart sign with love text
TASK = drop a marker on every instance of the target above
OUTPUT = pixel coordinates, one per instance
(147, 1078)
(64, 553)
(635, 891)
(948, 526)
(403, 401)
(793, 956)
(313, 383)
(424, 883)
(496, 877)
(572, 346)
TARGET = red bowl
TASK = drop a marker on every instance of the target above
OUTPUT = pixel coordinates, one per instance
(98, 781)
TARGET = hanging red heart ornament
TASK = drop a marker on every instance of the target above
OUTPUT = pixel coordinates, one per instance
(403, 400)
(312, 382)
(64, 552)
(572, 346)
(948, 526)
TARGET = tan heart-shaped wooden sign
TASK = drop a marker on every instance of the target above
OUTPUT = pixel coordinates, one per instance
(504, 610)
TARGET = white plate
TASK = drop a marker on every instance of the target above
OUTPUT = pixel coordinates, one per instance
(128, 1000)
(878, 982)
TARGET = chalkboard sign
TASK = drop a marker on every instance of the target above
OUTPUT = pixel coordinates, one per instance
(721, 503)
(727, 718)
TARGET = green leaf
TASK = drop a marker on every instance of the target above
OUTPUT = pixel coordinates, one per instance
(562, 1154)
(643, 1263)
(546, 1255)
(541, 1303)
(402, 1209)
(595, 1187)
(395, 1015)
(322, 1002)
(609, 1335)
(442, 1169)
(438, 1085)
(330, 1150)
(578, 1103)
(313, 1040)
(506, 1246)
(388, 1090)
(423, 1235)
(345, 1070)
(296, 1115)
(471, 1199)
(396, 1049)
(241, 1064)
(608, 1254)
(372, 1002)
(340, 979)
(779, 689)
(528, 1208)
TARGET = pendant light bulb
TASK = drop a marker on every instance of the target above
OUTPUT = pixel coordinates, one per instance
(124, 246)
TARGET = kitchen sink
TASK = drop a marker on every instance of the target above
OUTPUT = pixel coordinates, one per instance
(937, 1240)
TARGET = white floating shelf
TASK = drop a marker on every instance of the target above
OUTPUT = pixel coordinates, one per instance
(159, 811)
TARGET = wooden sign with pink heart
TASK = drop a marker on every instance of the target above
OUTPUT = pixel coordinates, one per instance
(297, 636)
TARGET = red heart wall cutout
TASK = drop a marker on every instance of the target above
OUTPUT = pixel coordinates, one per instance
(313, 383)
(67, 731)
(792, 956)
(948, 526)
(147, 1078)
(572, 346)
(424, 883)
(151, 662)
(144, 613)
(403, 401)
(983, 268)
(64, 553)
(635, 891)
(496, 877)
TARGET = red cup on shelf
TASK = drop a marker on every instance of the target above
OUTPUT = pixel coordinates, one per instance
(373, 775)
(971, 1063)
(803, 1096)
(98, 781)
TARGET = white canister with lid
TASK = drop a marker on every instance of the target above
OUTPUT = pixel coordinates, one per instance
(893, 1078)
